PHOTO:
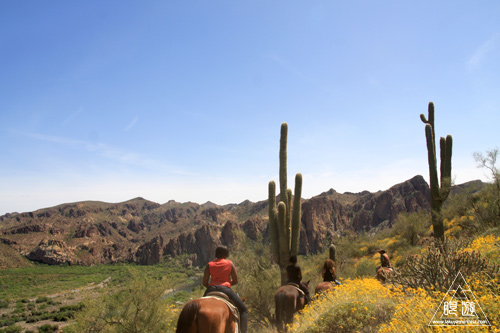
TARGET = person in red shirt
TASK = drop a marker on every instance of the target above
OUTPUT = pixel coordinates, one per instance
(220, 274)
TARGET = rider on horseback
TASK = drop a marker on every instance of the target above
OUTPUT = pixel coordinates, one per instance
(384, 260)
(294, 276)
(220, 274)
(328, 272)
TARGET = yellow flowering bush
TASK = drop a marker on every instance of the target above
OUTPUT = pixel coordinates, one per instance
(349, 307)
(416, 311)
(489, 246)
(365, 305)
(172, 313)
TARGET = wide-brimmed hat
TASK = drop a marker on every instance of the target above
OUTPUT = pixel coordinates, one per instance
(381, 251)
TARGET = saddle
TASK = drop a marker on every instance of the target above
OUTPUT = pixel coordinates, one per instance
(232, 308)
(296, 286)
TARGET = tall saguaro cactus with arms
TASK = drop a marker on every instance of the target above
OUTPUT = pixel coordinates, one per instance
(284, 221)
(439, 190)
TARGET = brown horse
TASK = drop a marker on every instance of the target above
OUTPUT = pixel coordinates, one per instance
(206, 315)
(288, 300)
(324, 286)
(383, 273)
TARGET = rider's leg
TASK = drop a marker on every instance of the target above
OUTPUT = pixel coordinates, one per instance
(242, 308)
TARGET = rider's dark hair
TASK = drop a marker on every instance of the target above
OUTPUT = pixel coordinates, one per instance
(293, 259)
(221, 252)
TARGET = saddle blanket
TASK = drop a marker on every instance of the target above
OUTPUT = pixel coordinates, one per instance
(232, 308)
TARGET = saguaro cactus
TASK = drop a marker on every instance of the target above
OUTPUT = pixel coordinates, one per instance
(439, 191)
(284, 222)
(332, 252)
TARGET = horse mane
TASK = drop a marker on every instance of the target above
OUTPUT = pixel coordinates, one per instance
(187, 317)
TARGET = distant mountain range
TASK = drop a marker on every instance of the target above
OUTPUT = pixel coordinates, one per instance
(145, 232)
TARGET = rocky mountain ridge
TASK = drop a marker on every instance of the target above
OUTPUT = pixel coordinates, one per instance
(144, 232)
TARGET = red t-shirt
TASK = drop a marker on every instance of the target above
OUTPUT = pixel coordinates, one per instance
(220, 271)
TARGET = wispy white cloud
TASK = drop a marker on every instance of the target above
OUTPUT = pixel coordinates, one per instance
(132, 124)
(111, 153)
(50, 138)
(480, 54)
(72, 116)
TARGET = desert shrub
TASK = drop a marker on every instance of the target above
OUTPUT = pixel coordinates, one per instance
(347, 269)
(365, 267)
(349, 247)
(138, 307)
(7, 322)
(42, 306)
(32, 319)
(4, 304)
(411, 227)
(437, 266)
(259, 279)
(48, 328)
(12, 329)
(486, 210)
(76, 307)
(42, 299)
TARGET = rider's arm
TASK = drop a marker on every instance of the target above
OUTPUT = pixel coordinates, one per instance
(206, 276)
(234, 275)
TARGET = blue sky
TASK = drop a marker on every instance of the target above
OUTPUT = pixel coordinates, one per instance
(178, 100)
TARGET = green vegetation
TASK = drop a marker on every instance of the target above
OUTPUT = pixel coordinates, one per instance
(137, 307)
(284, 224)
(42, 280)
(425, 268)
(34, 294)
(149, 298)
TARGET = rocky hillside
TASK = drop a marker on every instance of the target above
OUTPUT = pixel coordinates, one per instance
(141, 231)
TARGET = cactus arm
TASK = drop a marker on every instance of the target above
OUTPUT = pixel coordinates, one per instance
(446, 150)
(430, 121)
(283, 166)
(294, 247)
(282, 234)
(289, 196)
(442, 151)
(431, 155)
(273, 222)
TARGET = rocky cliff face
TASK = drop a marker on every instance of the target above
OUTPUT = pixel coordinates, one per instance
(383, 207)
(53, 252)
(146, 233)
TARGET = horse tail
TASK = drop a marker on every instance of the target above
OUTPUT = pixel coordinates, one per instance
(285, 308)
(187, 317)
(280, 311)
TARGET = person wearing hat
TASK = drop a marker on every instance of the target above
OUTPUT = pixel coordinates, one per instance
(384, 260)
